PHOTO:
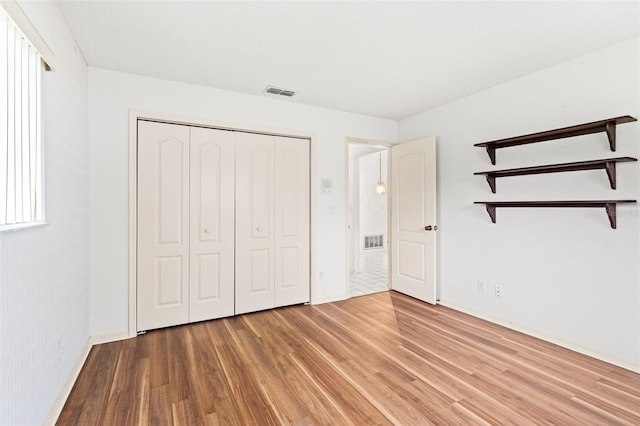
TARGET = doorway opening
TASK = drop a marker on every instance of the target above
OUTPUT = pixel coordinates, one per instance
(367, 221)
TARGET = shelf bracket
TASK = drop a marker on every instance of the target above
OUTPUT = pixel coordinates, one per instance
(610, 167)
(491, 209)
(611, 212)
(491, 179)
(610, 128)
(491, 150)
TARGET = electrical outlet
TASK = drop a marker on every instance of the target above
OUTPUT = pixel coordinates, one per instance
(320, 275)
(499, 292)
(481, 287)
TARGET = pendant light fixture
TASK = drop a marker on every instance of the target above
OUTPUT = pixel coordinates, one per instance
(380, 187)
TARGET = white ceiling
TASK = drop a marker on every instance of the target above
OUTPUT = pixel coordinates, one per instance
(385, 59)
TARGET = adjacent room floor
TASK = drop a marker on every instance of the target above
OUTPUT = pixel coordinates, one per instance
(378, 359)
(373, 275)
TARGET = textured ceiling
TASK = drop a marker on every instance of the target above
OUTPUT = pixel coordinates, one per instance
(385, 59)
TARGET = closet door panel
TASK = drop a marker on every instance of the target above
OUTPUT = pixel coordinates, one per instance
(254, 222)
(211, 224)
(291, 221)
(163, 225)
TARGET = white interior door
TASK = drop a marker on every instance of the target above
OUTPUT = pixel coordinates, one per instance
(413, 219)
(163, 225)
(211, 292)
(291, 221)
(254, 222)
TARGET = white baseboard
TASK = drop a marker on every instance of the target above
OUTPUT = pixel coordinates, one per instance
(58, 405)
(330, 299)
(106, 338)
(627, 364)
(55, 411)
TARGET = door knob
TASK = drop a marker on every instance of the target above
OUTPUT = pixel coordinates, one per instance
(207, 230)
(259, 228)
(428, 228)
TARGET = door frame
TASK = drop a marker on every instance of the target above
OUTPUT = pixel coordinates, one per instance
(134, 116)
(348, 240)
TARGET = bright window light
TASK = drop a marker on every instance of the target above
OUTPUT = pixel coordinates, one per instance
(20, 128)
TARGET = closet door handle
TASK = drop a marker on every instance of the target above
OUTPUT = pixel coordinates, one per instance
(207, 230)
(259, 229)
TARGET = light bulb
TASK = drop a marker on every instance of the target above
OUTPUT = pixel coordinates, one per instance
(380, 188)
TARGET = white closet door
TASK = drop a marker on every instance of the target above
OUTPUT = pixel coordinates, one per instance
(211, 256)
(254, 222)
(163, 225)
(291, 221)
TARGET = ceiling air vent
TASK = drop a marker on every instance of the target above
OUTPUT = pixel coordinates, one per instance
(277, 91)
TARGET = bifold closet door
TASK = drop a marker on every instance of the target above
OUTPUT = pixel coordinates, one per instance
(185, 224)
(211, 253)
(272, 222)
(223, 223)
(163, 225)
(291, 221)
(254, 222)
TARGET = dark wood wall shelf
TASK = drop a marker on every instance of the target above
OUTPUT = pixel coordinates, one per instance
(609, 206)
(609, 164)
(608, 126)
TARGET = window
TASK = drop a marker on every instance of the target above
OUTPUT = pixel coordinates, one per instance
(20, 128)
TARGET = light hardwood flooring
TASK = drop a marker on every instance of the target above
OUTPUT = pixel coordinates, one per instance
(378, 359)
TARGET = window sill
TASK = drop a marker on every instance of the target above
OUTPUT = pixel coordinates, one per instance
(20, 226)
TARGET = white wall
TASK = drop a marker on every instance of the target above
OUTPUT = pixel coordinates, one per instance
(44, 274)
(112, 94)
(566, 274)
(373, 207)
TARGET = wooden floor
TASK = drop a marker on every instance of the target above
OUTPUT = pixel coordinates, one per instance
(379, 359)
